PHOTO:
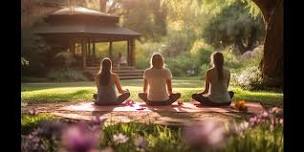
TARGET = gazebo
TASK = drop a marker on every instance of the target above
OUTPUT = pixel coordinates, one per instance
(78, 29)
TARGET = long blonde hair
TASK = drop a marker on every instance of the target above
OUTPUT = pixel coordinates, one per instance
(157, 61)
(105, 71)
(217, 60)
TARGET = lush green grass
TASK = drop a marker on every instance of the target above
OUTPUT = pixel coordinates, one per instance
(82, 91)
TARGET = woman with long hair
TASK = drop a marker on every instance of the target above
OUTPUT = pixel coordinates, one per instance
(157, 83)
(106, 81)
(216, 84)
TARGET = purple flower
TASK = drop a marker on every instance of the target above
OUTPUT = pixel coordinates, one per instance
(140, 143)
(205, 134)
(78, 138)
(32, 142)
(51, 129)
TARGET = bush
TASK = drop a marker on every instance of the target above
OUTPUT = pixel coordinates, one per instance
(182, 65)
(67, 75)
(250, 78)
(35, 50)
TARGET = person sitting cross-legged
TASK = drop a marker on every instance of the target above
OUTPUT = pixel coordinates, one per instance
(157, 84)
(216, 85)
(106, 82)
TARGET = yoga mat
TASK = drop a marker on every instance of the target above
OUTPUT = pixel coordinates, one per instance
(185, 107)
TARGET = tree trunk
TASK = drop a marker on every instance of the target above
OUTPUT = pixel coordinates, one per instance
(272, 62)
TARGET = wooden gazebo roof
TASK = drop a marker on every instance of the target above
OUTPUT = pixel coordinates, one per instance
(85, 22)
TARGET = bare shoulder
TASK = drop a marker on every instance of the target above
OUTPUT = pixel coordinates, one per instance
(114, 76)
(148, 69)
(210, 70)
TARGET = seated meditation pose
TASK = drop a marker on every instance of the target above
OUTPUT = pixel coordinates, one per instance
(216, 84)
(106, 82)
(157, 84)
(121, 60)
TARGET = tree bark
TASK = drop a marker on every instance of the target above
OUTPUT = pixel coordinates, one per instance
(272, 62)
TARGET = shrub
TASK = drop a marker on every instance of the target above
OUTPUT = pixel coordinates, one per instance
(250, 78)
(182, 65)
(67, 75)
(35, 51)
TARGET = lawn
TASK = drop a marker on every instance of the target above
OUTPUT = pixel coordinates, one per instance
(82, 91)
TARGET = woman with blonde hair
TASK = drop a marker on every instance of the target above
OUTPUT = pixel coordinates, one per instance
(157, 83)
(216, 84)
(106, 81)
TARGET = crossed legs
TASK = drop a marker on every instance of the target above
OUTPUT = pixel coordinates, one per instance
(121, 98)
(206, 102)
(172, 99)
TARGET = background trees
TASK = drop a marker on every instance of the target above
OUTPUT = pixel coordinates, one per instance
(178, 28)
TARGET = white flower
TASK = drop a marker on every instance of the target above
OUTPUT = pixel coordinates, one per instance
(120, 138)
(244, 125)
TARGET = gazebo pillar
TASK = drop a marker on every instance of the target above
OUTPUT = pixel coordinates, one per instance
(83, 52)
(94, 51)
(72, 47)
(132, 56)
(128, 53)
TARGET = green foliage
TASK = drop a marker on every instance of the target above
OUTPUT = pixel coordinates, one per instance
(257, 139)
(160, 138)
(182, 65)
(30, 122)
(234, 25)
(67, 74)
(163, 138)
(34, 50)
(145, 16)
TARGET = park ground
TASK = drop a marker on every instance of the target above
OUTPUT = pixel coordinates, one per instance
(161, 131)
(82, 91)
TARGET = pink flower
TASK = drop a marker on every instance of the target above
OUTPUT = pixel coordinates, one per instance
(205, 134)
(33, 112)
(265, 114)
(253, 120)
(79, 139)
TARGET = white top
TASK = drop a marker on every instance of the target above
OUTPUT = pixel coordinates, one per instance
(122, 60)
(157, 88)
(218, 90)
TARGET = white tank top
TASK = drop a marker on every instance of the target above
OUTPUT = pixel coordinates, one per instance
(218, 89)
